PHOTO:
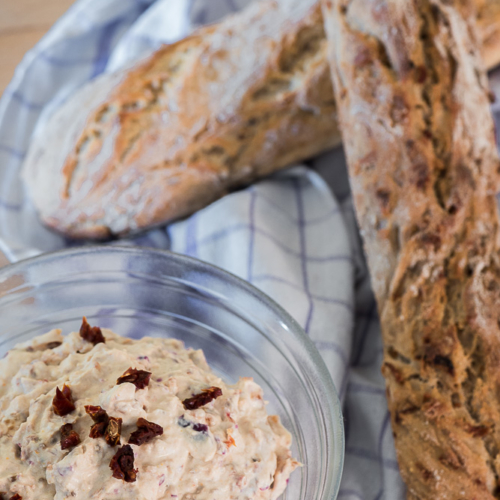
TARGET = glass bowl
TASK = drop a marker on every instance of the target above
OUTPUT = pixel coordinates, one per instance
(139, 292)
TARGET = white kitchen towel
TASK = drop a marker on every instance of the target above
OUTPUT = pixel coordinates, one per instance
(289, 235)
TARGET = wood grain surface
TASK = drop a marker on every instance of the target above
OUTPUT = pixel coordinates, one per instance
(22, 24)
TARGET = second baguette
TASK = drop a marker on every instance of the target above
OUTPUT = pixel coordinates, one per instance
(424, 170)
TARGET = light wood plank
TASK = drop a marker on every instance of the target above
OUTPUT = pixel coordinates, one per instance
(15, 14)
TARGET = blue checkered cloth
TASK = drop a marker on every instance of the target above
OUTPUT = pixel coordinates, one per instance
(293, 235)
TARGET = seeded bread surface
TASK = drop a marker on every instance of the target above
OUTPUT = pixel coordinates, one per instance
(413, 103)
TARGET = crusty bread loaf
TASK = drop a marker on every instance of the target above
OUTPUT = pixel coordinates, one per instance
(233, 102)
(419, 138)
(229, 104)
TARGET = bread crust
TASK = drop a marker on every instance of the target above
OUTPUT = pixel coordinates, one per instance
(419, 138)
(229, 104)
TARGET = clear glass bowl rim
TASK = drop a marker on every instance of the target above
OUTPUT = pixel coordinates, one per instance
(332, 407)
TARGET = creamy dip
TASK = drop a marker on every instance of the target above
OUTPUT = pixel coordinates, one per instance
(229, 448)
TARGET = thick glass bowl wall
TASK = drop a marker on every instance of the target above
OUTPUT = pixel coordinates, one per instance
(140, 292)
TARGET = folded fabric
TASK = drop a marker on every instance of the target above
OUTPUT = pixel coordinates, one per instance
(286, 236)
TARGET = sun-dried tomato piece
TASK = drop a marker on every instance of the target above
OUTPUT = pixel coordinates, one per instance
(91, 334)
(110, 428)
(139, 378)
(98, 430)
(122, 464)
(202, 399)
(17, 496)
(113, 431)
(146, 431)
(63, 401)
(100, 418)
(69, 437)
(96, 413)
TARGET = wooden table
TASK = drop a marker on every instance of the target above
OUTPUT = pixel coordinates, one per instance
(22, 24)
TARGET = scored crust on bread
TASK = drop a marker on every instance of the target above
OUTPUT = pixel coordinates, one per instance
(413, 105)
(231, 103)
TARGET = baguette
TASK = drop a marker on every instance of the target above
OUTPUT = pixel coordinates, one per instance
(419, 138)
(231, 103)
(227, 105)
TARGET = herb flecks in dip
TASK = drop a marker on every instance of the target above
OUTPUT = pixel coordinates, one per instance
(150, 421)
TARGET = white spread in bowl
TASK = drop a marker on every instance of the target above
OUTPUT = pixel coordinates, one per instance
(228, 448)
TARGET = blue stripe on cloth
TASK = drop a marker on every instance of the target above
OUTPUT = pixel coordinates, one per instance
(242, 226)
(323, 218)
(385, 425)
(13, 207)
(29, 105)
(323, 345)
(333, 346)
(320, 298)
(104, 46)
(289, 251)
(222, 233)
(293, 220)
(303, 251)
(13, 152)
(54, 61)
